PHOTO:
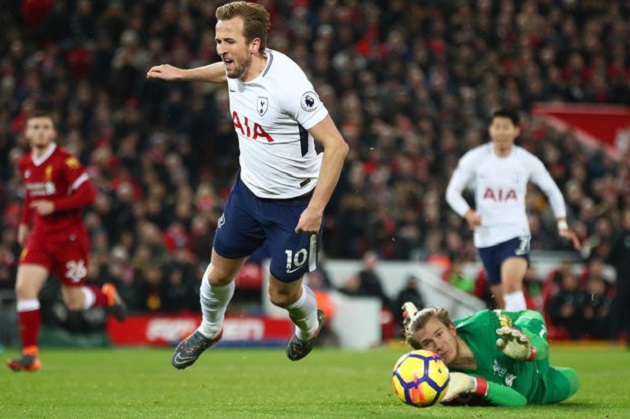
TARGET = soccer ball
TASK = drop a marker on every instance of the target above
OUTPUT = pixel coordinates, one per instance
(420, 378)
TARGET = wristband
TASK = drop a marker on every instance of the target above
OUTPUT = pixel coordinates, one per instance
(481, 387)
(532, 354)
(562, 225)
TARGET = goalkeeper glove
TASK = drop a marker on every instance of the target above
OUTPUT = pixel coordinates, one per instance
(460, 383)
(409, 310)
(515, 344)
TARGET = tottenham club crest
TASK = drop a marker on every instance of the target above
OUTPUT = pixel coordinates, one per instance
(309, 101)
(262, 105)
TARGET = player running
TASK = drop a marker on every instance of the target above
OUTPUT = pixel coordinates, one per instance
(499, 172)
(495, 357)
(283, 185)
(56, 189)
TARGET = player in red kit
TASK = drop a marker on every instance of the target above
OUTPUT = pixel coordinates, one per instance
(56, 190)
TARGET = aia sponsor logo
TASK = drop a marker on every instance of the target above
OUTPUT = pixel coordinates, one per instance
(500, 195)
(252, 130)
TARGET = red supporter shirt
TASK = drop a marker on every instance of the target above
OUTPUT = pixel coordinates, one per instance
(57, 176)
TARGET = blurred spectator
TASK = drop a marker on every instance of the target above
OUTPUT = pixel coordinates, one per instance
(567, 306)
(456, 276)
(367, 282)
(597, 308)
(532, 287)
(410, 292)
(620, 258)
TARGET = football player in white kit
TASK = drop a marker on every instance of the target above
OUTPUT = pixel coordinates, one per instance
(498, 172)
(283, 185)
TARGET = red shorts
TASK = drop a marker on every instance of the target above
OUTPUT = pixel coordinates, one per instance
(64, 255)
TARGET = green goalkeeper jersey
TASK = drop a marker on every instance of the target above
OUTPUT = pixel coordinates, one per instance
(512, 382)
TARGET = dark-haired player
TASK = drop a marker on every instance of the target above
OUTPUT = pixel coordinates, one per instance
(498, 172)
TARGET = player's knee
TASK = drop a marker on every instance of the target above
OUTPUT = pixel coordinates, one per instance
(283, 296)
(217, 276)
(74, 304)
(281, 299)
(25, 291)
(74, 300)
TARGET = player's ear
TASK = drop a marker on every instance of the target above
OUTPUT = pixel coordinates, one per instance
(254, 45)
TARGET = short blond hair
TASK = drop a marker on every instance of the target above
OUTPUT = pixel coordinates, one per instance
(420, 319)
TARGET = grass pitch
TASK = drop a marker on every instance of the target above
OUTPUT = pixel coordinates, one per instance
(241, 383)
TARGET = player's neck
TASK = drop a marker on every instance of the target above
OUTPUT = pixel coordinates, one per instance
(465, 358)
(256, 68)
(502, 151)
(40, 151)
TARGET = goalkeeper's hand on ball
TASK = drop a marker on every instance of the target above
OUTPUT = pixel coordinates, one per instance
(460, 383)
(515, 344)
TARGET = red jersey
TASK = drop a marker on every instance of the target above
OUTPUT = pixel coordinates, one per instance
(56, 176)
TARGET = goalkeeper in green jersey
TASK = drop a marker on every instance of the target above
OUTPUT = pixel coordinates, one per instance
(498, 358)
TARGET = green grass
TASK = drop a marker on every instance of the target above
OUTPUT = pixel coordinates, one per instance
(231, 383)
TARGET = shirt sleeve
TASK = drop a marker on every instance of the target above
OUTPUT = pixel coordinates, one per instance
(27, 213)
(461, 177)
(500, 395)
(533, 325)
(83, 195)
(26, 210)
(81, 191)
(541, 177)
(495, 395)
(300, 100)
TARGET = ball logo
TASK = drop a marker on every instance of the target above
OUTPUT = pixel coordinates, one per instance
(309, 101)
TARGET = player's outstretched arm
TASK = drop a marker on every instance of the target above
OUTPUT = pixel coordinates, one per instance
(485, 392)
(211, 73)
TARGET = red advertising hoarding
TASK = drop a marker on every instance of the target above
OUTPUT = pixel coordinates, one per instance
(167, 330)
(591, 123)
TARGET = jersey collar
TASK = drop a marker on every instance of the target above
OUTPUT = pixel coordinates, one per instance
(39, 160)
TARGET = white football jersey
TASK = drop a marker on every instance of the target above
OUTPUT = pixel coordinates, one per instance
(500, 185)
(271, 116)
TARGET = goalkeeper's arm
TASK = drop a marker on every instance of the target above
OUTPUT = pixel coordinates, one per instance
(466, 389)
(532, 324)
(527, 340)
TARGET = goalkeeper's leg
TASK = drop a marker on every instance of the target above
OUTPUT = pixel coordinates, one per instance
(562, 383)
(533, 325)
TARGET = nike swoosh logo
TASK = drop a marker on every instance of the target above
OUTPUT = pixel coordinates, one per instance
(293, 270)
(179, 360)
(232, 90)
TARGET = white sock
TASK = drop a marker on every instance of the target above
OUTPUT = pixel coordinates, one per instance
(27, 305)
(515, 301)
(303, 314)
(90, 298)
(214, 300)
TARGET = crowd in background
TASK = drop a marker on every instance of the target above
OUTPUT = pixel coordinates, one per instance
(410, 84)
